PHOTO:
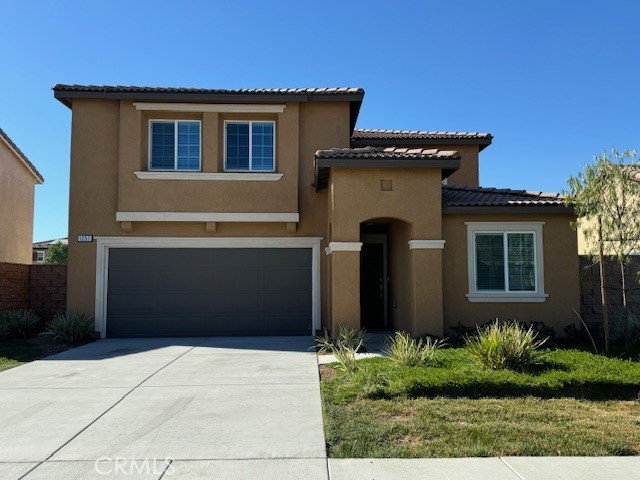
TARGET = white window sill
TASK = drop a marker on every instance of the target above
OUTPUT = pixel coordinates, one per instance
(243, 177)
(506, 298)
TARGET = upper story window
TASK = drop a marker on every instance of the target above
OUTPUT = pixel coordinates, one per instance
(505, 261)
(174, 145)
(249, 146)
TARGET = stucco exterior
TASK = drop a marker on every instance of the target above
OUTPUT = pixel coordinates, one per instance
(425, 251)
(17, 188)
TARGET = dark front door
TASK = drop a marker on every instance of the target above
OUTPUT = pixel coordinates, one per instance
(372, 286)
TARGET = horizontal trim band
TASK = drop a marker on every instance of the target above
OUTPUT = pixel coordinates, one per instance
(205, 217)
(209, 107)
(208, 242)
(497, 298)
(343, 247)
(426, 244)
(235, 176)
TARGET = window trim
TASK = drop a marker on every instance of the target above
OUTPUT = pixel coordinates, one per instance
(250, 122)
(475, 295)
(175, 145)
(38, 253)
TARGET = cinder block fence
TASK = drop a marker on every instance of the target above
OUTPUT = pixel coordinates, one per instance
(40, 287)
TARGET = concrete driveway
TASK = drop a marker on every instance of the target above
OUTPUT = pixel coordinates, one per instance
(165, 408)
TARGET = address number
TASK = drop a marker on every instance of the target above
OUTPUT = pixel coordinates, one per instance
(85, 238)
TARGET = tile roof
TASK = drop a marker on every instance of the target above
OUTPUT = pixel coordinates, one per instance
(207, 91)
(373, 133)
(386, 153)
(48, 243)
(32, 168)
(461, 196)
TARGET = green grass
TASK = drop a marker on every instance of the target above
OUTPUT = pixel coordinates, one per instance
(574, 403)
(14, 352)
(406, 428)
(562, 373)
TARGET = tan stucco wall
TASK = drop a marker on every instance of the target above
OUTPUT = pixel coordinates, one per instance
(17, 186)
(356, 197)
(468, 173)
(109, 143)
(560, 274)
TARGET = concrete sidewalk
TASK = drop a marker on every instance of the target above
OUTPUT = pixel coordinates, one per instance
(502, 468)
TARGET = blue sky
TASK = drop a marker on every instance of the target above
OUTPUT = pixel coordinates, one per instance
(554, 82)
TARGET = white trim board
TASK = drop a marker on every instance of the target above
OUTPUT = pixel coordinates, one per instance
(209, 107)
(205, 217)
(178, 175)
(105, 244)
(426, 244)
(343, 247)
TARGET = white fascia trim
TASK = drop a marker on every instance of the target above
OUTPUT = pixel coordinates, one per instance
(205, 217)
(504, 298)
(424, 244)
(104, 244)
(244, 177)
(209, 107)
(343, 247)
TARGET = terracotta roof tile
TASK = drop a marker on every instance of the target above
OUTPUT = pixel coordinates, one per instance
(372, 133)
(386, 153)
(460, 196)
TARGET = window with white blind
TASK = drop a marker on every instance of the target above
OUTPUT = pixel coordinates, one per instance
(174, 145)
(505, 262)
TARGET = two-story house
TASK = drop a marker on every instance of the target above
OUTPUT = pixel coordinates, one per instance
(265, 212)
(18, 178)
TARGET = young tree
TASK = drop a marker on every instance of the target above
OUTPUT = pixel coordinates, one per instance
(56, 254)
(606, 199)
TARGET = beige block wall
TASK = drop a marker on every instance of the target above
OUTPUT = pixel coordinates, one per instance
(560, 275)
(17, 186)
(109, 143)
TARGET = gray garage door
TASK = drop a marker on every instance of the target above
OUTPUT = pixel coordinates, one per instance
(193, 292)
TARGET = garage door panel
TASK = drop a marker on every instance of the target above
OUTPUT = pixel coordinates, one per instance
(230, 278)
(287, 279)
(161, 279)
(286, 303)
(164, 291)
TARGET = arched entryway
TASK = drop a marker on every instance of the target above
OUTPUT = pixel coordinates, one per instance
(385, 287)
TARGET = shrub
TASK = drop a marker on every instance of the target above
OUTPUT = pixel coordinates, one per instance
(627, 329)
(505, 346)
(404, 350)
(17, 323)
(71, 327)
(346, 357)
(348, 337)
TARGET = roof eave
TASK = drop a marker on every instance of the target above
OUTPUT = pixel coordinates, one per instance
(39, 179)
(514, 209)
(395, 142)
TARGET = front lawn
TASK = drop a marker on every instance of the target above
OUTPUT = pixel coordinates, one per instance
(14, 352)
(575, 403)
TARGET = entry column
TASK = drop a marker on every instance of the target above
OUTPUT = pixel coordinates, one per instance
(345, 284)
(426, 256)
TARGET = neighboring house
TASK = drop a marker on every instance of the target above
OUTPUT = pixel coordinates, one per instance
(40, 248)
(18, 178)
(263, 212)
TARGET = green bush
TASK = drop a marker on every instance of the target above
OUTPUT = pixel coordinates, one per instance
(17, 323)
(71, 327)
(348, 337)
(404, 350)
(505, 345)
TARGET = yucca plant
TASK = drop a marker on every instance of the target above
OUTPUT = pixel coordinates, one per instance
(348, 337)
(17, 323)
(405, 350)
(71, 327)
(505, 345)
(346, 357)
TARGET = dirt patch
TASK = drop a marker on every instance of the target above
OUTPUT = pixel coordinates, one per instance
(327, 373)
